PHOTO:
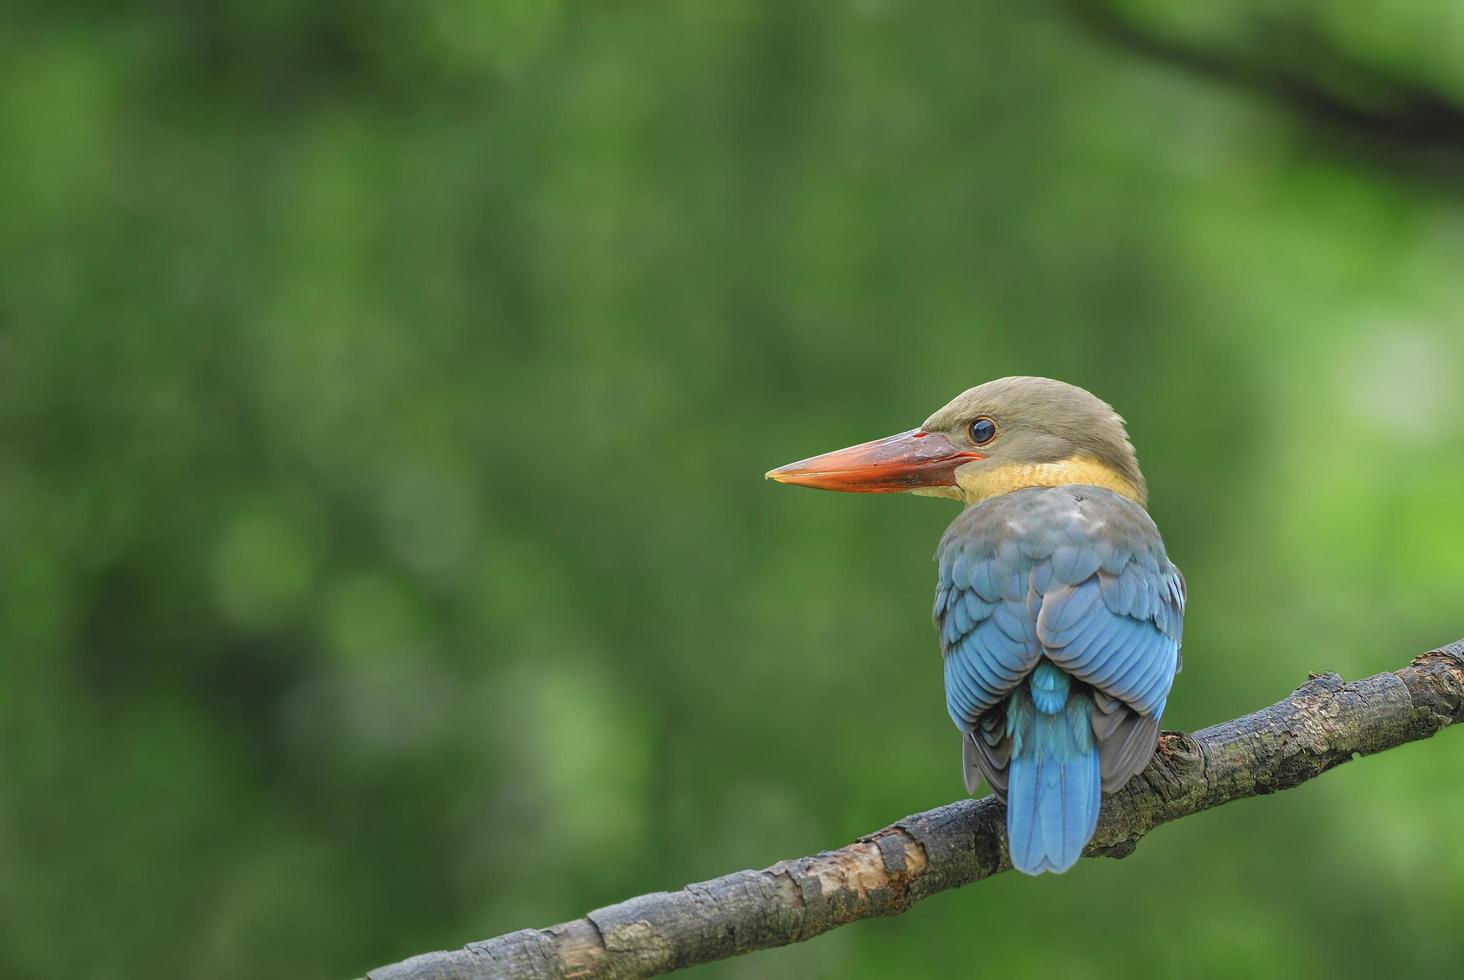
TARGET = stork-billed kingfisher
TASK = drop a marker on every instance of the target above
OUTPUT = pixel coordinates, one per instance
(1059, 612)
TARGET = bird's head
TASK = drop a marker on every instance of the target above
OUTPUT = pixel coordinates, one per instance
(992, 439)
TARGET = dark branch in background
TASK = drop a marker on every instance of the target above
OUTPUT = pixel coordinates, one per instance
(1286, 61)
(1323, 724)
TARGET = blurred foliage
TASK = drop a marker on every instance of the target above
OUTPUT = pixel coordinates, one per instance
(385, 391)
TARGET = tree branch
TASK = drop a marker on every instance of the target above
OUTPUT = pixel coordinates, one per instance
(1285, 59)
(1324, 723)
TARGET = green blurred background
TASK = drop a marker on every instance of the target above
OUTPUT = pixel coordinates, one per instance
(385, 393)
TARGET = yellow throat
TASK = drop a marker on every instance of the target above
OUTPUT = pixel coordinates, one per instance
(975, 482)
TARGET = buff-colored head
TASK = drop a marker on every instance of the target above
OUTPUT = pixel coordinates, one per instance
(998, 437)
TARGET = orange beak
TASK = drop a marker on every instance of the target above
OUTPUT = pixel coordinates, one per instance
(894, 464)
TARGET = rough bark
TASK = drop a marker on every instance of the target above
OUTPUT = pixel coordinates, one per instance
(1324, 723)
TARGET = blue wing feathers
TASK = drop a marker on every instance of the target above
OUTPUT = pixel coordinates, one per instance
(1013, 624)
(1134, 681)
(959, 694)
(960, 573)
(1065, 610)
(976, 607)
(975, 689)
(980, 669)
(1107, 631)
(960, 619)
(1074, 563)
(1118, 591)
(1041, 579)
(1128, 655)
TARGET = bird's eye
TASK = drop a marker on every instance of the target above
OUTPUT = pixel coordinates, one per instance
(983, 430)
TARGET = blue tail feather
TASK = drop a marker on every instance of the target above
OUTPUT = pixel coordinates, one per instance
(1054, 785)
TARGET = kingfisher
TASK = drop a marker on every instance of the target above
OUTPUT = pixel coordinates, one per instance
(1060, 614)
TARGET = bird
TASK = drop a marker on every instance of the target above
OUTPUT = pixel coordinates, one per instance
(1059, 612)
